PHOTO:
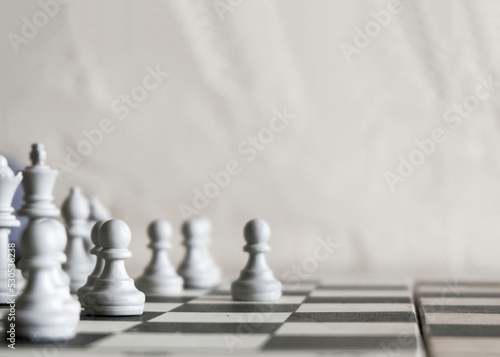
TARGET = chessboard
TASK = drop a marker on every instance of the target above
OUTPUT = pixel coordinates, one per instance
(337, 317)
(460, 318)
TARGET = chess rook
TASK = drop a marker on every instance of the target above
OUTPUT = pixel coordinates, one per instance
(256, 281)
(99, 263)
(42, 313)
(75, 212)
(159, 277)
(114, 292)
(8, 185)
(198, 268)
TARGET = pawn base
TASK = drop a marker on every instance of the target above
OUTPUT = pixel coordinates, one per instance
(45, 334)
(256, 291)
(114, 298)
(200, 279)
(39, 326)
(94, 310)
(152, 286)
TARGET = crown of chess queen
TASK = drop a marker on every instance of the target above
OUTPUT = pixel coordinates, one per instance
(8, 185)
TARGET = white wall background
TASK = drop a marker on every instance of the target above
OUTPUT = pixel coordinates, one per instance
(323, 175)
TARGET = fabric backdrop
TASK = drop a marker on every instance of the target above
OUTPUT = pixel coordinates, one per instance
(365, 132)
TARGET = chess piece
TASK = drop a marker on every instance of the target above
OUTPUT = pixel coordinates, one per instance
(97, 213)
(8, 272)
(197, 268)
(58, 274)
(114, 292)
(42, 314)
(38, 183)
(75, 211)
(160, 277)
(99, 264)
(256, 281)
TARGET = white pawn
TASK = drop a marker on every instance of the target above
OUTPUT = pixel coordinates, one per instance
(42, 313)
(99, 263)
(256, 281)
(197, 268)
(160, 277)
(57, 274)
(75, 211)
(114, 292)
(97, 213)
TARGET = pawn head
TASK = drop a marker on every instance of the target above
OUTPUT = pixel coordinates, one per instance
(61, 234)
(196, 226)
(43, 236)
(159, 230)
(256, 231)
(115, 234)
(94, 233)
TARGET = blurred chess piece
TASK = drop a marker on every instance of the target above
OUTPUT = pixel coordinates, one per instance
(44, 311)
(159, 277)
(8, 273)
(76, 212)
(99, 263)
(114, 292)
(38, 184)
(256, 281)
(198, 269)
(97, 213)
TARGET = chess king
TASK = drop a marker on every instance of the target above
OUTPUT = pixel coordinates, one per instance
(38, 183)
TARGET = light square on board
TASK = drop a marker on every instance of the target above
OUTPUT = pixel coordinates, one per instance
(348, 329)
(226, 299)
(166, 342)
(369, 345)
(236, 308)
(226, 317)
(318, 307)
(360, 293)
